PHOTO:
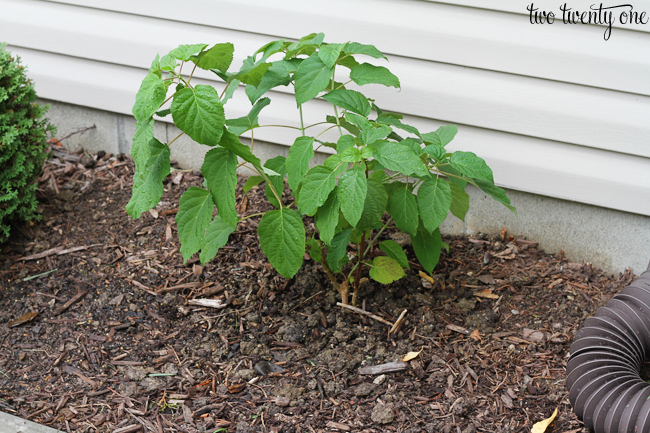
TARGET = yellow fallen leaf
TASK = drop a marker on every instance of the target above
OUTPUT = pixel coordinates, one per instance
(540, 427)
(411, 355)
(426, 277)
(486, 293)
(476, 335)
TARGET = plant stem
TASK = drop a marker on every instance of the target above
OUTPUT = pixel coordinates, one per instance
(338, 121)
(302, 123)
(252, 140)
(251, 216)
(177, 137)
(370, 244)
(324, 131)
(191, 74)
(362, 252)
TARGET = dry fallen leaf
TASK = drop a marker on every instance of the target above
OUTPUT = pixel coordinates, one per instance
(540, 427)
(476, 336)
(486, 293)
(411, 355)
(426, 277)
(22, 319)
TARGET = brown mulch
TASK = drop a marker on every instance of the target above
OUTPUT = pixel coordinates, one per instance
(99, 327)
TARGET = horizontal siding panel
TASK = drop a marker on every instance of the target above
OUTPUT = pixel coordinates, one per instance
(544, 109)
(544, 167)
(429, 31)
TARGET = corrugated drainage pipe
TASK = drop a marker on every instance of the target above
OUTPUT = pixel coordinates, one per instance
(603, 372)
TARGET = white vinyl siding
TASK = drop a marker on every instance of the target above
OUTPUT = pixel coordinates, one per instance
(554, 109)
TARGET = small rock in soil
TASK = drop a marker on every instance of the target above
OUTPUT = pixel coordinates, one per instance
(383, 414)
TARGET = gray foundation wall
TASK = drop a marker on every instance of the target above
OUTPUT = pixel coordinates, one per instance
(610, 239)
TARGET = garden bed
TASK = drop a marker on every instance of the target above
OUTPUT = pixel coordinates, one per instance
(117, 344)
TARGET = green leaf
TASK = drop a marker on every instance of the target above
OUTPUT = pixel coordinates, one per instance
(242, 124)
(215, 237)
(336, 164)
(252, 75)
(386, 270)
(427, 248)
(150, 97)
(184, 52)
(350, 100)
(199, 113)
(370, 135)
(394, 120)
(357, 120)
(329, 53)
(471, 166)
(344, 143)
(275, 169)
(282, 239)
(395, 251)
(147, 180)
(368, 50)
(168, 63)
(218, 57)
(271, 48)
(194, 214)
(231, 142)
(496, 193)
(315, 251)
(220, 171)
(348, 62)
(413, 145)
(374, 206)
(230, 91)
(300, 153)
(327, 217)
(436, 151)
(366, 73)
(402, 206)
(276, 75)
(400, 158)
(140, 149)
(337, 250)
(352, 191)
(442, 136)
(311, 78)
(251, 182)
(351, 155)
(278, 164)
(434, 200)
(459, 201)
(316, 186)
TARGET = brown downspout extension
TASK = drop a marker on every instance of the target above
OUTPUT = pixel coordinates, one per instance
(603, 380)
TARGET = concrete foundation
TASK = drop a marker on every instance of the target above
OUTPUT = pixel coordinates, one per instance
(610, 239)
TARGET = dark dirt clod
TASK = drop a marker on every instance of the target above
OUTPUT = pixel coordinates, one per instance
(494, 326)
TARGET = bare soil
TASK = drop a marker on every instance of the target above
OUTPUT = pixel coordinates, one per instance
(107, 338)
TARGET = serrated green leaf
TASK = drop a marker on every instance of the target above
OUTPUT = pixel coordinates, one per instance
(220, 171)
(277, 75)
(365, 73)
(163, 113)
(413, 145)
(336, 164)
(271, 48)
(392, 119)
(231, 142)
(194, 214)
(427, 248)
(337, 250)
(252, 75)
(400, 158)
(350, 100)
(351, 155)
(327, 217)
(348, 62)
(215, 237)
(242, 124)
(437, 152)
(199, 113)
(329, 53)
(496, 193)
(316, 186)
(471, 166)
(395, 251)
(315, 251)
(282, 239)
(344, 143)
(352, 191)
(442, 136)
(368, 50)
(357, 120)
(147, 180)
(150, 97)
(140, 149)
(300, 153)
(370, 135)
(251, 182)
(402, 206)
(386, 270)
(278, 164)
(184, 52)
(311, 78)
(459, 201)
(434, 200)
(168, 63)
(155, 64)
(275, 169)
(218, 57)
(230, 91)
(373, 206)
